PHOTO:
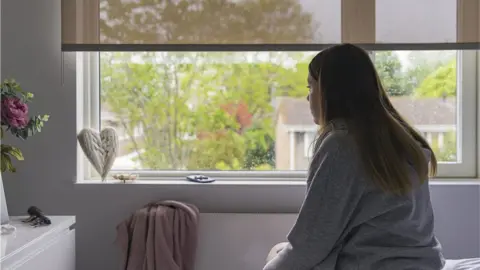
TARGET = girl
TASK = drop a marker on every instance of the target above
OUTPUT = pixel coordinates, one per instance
(368, 202)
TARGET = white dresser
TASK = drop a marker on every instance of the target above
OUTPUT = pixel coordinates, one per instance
(42, 248)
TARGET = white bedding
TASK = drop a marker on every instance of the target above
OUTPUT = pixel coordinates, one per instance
(465, 264)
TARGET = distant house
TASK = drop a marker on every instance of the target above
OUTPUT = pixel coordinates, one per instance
(295, 130)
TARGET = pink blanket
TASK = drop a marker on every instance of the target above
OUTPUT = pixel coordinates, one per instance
(161, 236)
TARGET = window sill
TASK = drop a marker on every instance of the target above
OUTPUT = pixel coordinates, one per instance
(259, 182)
(187, 183)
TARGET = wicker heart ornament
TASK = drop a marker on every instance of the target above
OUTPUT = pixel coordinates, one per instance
(101, 148)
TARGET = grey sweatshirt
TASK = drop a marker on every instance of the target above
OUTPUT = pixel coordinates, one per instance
(347, 223)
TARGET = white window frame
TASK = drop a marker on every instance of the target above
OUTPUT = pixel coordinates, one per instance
(308, 138)
(466, 124)
(88, 104)
(88, 114)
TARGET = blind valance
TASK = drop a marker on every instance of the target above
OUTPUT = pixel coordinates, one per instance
(139, 25)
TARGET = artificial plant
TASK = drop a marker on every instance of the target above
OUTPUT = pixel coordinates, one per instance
(15, 120)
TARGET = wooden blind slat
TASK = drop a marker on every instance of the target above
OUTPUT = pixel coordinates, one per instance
(80, 21)
(468, 21)
(358, 21)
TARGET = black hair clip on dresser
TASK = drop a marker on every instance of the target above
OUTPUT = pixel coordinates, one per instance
(37, 218)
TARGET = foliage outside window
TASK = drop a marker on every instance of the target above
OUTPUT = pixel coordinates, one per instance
(219, 110)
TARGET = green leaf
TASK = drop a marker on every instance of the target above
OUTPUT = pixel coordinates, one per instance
(13, 151)
(6, 164)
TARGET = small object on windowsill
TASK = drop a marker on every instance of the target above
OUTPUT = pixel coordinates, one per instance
(37, 218)
(200, 179)
(125, 177)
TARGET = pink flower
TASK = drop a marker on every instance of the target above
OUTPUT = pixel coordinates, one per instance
(14, 112)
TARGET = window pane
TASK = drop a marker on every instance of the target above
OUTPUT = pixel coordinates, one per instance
(247, 110)
(416, 21)
(220, 22)
(422, 86)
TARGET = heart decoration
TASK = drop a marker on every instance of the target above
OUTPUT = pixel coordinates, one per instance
(100, 148)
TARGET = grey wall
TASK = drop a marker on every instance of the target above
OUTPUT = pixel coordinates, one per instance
(30, 34)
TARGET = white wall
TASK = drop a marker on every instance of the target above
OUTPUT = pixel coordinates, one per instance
(31, 53)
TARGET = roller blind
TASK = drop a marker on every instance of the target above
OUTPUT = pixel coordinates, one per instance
(94, 25)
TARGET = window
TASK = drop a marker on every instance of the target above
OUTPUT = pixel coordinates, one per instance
(219, 86)
(435, 92)
(237, 113)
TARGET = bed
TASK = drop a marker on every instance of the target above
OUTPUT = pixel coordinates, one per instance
(465, 264)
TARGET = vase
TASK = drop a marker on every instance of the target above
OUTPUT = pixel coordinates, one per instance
(3, 204)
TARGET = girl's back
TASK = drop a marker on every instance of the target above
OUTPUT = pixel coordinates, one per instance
(347, 223)
(389, 231)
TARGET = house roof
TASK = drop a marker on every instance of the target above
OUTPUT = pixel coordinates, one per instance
(417, 111)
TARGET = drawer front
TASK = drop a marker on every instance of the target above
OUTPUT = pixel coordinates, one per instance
(58, 254)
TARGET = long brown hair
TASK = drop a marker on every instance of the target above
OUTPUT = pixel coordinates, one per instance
(351, 90)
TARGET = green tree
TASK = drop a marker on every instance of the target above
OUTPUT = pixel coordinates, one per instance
(225, 141)
(260, 154)
(197, 111)
(424, 63)
(440, 83)
(389, 69)
(152, 96)
(415, 76)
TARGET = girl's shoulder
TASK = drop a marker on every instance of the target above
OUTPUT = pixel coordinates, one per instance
(335, 139)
